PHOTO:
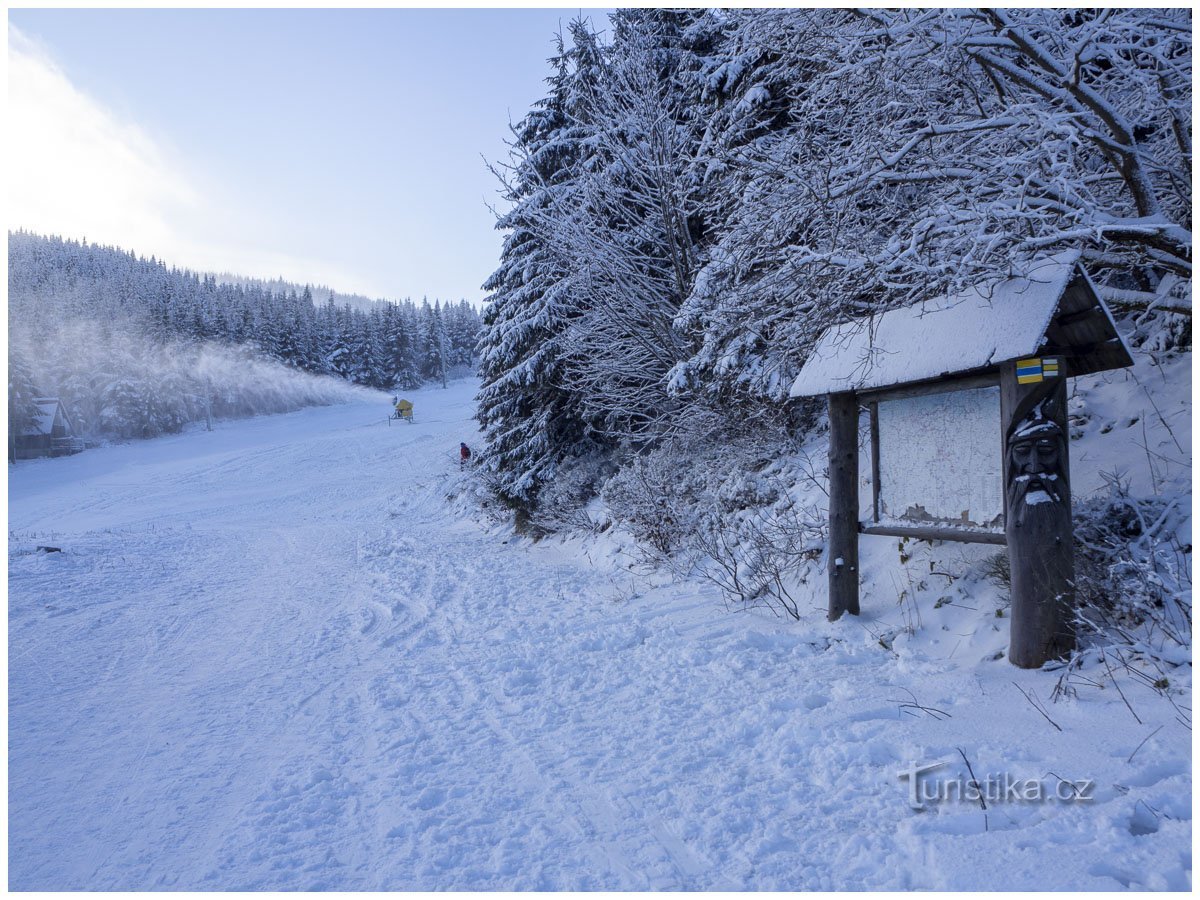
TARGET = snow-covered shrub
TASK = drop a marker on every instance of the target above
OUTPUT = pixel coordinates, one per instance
(995, 569)
(755, 557)
(1133, 572)
(715, 465)
(745, 490)
(719, 503)
(564, 502)
(654, 496)
(476, 494)
(1158, 320)
(1158, 332)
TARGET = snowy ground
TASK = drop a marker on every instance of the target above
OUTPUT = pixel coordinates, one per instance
(272, 657)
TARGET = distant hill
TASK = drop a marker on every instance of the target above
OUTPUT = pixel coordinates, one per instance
(320, 292)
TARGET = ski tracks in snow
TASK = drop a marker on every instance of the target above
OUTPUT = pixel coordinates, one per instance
(483, 670)
(433, 763)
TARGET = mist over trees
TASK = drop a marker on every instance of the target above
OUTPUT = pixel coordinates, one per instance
(320, 292)
(701, 193)
(135, 349)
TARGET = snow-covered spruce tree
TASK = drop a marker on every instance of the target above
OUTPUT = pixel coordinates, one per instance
(529, 410)
(741, 305)
(433, 342)
(22, 411)
(307, 356)
(402, 371)
(377, 358)
(440, 343)
(463, 327)
(633, 231)
(333, 339)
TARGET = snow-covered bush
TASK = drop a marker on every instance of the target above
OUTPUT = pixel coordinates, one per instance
(757, 557)
(654, 496)
(565, 502)
(1133, 572)
(722, 506)
(1156, 331)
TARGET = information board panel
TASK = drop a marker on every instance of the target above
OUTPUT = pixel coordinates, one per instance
(940, 460)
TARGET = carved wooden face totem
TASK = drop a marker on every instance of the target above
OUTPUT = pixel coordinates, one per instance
(1037, 450)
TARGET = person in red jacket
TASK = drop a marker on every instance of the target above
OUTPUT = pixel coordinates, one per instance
(464, 453)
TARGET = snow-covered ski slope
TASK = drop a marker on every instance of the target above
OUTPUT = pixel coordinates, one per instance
(271, 656)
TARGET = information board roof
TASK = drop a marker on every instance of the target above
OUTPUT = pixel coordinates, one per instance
(1052, 308)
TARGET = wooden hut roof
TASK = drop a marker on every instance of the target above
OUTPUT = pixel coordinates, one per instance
(50, 409)
(1052, 309)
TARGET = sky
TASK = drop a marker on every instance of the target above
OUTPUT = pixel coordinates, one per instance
(344, 148)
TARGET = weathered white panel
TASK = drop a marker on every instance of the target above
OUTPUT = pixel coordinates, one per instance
(939, 459)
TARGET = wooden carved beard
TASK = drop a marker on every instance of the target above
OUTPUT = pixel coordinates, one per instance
(1037, 451)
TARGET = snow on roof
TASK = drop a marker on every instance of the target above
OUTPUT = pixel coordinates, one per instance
(980, 327)
(43, 423)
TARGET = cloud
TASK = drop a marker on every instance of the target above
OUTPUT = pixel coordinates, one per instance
(77, 170)
(74, 169)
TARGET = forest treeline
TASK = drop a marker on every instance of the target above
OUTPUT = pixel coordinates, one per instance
(135, 349)
(700, 193)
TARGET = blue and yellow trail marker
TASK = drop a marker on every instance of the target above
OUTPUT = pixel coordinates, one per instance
(1030, 371)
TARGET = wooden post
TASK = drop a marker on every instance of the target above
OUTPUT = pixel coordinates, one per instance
(843, 505)
(874, 408)
(208, 402)
(1038, 518)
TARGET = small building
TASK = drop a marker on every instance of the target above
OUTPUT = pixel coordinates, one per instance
(50, 434)
(966, 402)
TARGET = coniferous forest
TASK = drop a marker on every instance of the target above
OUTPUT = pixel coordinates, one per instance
(701, 193)
(134, 348)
